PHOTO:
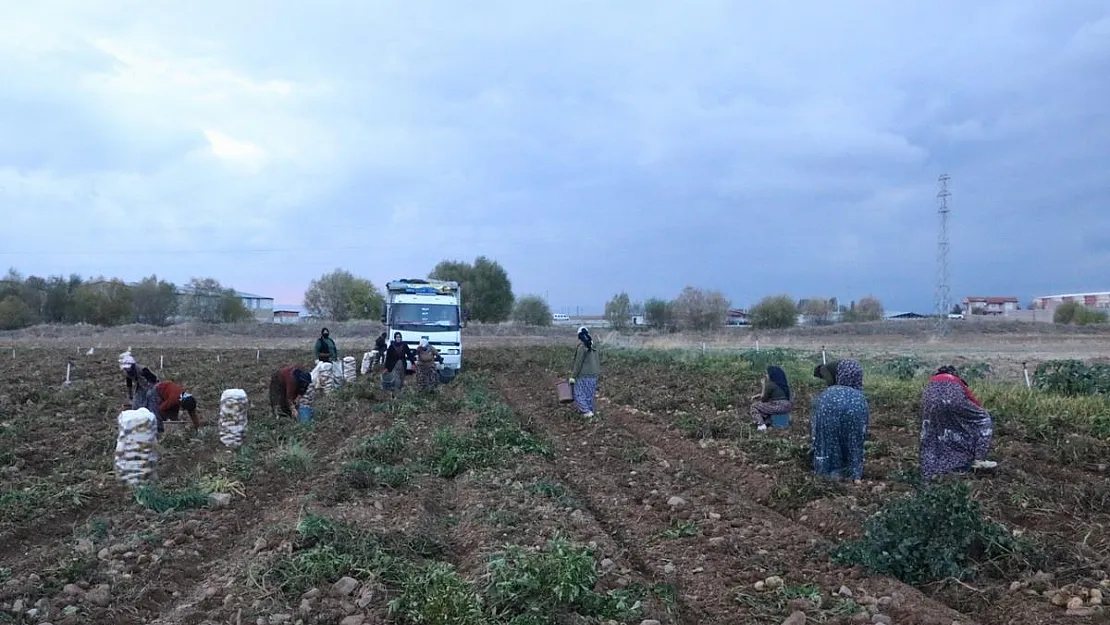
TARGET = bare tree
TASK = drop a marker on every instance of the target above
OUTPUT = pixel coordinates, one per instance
(701, 310)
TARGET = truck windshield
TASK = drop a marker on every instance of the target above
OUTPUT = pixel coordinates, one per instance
(425, 317)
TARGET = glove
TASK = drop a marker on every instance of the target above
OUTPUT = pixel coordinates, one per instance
(571, 380)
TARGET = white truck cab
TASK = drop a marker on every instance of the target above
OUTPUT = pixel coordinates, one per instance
(429, 309)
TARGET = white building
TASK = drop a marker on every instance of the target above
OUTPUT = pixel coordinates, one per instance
(1091, 300)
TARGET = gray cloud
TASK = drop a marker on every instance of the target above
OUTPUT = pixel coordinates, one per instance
(589, 147)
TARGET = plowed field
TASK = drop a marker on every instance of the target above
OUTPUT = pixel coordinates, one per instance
(489, 503)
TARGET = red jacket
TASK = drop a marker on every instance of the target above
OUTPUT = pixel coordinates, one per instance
(169, 393)
(948, 377)
(290, 384)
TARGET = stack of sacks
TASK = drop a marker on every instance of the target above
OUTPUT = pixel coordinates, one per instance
(136, 446)
(368, 360)
(233, 417)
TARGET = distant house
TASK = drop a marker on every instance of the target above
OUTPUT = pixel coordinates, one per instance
(737, 317)
(283, 316)
(990, 305)
(639, 320)
(1090, 300)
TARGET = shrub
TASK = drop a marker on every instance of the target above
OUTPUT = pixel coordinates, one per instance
(701, 310)
(777, 311)
(532, 310)
(1074, 313)
(1072, 377)
(936, 533)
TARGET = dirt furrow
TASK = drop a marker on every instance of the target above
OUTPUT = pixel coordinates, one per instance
(736, 543)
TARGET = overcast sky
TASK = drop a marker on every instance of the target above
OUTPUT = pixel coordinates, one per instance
(590, 147)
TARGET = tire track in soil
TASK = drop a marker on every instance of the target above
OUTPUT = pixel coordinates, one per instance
(746, 543)
(743, 474)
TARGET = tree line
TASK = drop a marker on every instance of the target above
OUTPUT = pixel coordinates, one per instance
(28, 301)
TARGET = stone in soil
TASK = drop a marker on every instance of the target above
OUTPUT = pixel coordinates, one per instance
(356, 619)
(796, 618)
(773, 583)
(344, 587)
(649, 621)
(99, 596)
(219, 500)
(676, 502)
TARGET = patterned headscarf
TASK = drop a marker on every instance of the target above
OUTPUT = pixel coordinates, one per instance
(849, 373)
(778, 376)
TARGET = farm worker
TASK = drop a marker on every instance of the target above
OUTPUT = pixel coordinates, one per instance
(325, 349)
(139, 380)
(840, 419)
(773, 398)
(827, 372)
(427, 377)
(955, 429)
(380, 345)
(286, 386)
(584, 373)
(170, 398)
(396, 356)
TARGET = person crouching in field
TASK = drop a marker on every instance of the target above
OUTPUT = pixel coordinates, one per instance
(139, 380)
(166, 400)
(287, 385)
(955, 429)
(773, 398)
(839, 426)
(585, 373)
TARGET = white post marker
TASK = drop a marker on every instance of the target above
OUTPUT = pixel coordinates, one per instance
(1025, 370)
(67, 373)
(824, 360)
(757, 345)
(258, 355)
(161, 361)
(217, 358)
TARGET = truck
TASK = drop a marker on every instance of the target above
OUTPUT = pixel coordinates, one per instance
(429, 309)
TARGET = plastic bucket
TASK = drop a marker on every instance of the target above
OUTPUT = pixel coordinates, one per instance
(446, 375)
(564, 392)
(304, 414)
(780, 421)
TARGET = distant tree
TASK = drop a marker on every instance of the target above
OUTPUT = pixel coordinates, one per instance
(776, 311)
(701, 310)
(207, 301)
(15, 314)
(868, 309)
(659, 314)
(486, 289)
(956, 310)
(340, 295)
(103, 302)
(817, 310)
(618, 310)
(59, 304)
(154, 301)
(532, 310)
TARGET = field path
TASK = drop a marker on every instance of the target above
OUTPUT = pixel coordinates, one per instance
(629, 476)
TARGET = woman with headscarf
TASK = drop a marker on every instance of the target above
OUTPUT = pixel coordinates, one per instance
(585, 372)
(955, 429)
(325, 349)
(396, 356)
(287, 385)
(140, 382)
(427, 376)
(773, 399)
(839, 425)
